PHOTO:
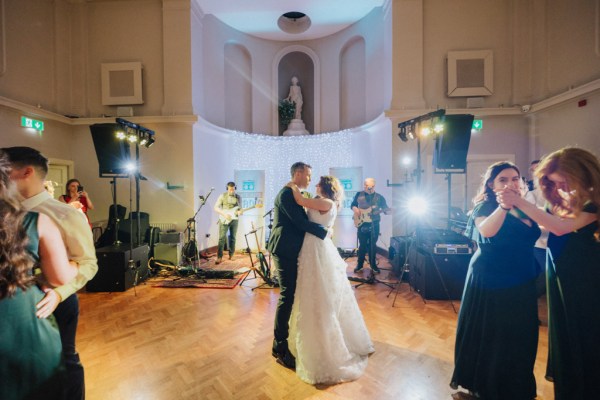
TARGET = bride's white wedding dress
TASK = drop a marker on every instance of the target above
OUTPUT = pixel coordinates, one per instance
(327, 335)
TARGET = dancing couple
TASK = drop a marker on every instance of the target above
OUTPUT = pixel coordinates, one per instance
(319, 329)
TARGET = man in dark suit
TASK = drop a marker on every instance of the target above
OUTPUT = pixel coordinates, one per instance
(290, 224)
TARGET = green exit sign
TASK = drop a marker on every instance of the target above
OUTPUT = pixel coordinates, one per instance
(32, 123)
(477, 124)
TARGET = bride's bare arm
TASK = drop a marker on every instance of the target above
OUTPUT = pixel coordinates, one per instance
(317, 203)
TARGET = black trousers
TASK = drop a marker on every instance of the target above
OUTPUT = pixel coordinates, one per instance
(367, 241)
(67, 316)
(288, 272)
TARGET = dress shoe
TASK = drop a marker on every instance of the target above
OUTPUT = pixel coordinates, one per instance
(358, 268)
(375, 269)
(219, 260)
(286, 359)
(230, 256)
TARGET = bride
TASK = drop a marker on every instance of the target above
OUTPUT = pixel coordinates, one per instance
(328, 335)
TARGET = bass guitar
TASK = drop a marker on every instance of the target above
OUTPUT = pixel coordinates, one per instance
(366, 215)
(234, 213)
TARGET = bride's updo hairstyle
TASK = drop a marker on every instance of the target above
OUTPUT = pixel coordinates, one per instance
(332, 188)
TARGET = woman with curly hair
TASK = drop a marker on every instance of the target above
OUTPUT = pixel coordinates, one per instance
(570, 181)
(30, 347)
(328, 335)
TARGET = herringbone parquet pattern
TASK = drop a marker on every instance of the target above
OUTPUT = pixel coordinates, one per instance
(168, 344)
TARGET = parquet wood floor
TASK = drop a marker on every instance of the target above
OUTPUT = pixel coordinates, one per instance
(165, 343)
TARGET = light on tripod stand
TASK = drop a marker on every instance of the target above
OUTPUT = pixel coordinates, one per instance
(417, 205)
(130, 167)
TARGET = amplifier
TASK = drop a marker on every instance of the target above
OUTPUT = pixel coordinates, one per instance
(171, 237)
(168, 251)
(445, 248)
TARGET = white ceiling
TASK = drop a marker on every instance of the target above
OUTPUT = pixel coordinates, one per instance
(259, 17)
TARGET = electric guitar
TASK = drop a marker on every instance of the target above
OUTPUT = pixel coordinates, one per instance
(366, 215)
(233, 213)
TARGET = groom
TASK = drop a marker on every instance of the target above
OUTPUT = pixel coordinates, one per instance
(290, 224)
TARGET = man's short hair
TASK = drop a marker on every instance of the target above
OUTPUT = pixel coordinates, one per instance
(21, 156)
(230, 184)
(298, 166)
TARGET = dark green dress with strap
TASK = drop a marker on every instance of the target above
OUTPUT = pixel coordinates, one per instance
(30, 348)
(573, 287)
(497, 333)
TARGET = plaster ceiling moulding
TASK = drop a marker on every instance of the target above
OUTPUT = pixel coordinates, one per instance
(294, 22)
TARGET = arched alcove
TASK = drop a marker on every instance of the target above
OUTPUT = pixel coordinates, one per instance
(353, 83)
(238, 87)
(302, 62)
(298, 64)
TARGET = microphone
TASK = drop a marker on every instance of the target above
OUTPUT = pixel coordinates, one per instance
(201, 197)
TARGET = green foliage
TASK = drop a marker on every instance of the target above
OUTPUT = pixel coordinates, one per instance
(287, 110)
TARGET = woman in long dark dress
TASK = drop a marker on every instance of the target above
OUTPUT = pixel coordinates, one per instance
(570, 181)
(497, 333)
(30, 347)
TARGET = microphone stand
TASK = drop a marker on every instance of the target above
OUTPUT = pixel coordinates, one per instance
(267, 238)
(190, 250)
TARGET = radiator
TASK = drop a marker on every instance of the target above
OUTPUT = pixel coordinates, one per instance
(164, 226)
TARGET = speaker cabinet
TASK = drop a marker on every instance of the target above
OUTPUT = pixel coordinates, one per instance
(452, 146)
(113, 154)
(426, 280)
(114, 273)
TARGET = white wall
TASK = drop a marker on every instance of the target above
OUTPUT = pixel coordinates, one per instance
(263, 54)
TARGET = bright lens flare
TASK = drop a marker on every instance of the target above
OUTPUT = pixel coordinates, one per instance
(130, 167)
(417, 205)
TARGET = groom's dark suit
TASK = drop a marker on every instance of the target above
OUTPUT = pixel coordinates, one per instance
(289, 225)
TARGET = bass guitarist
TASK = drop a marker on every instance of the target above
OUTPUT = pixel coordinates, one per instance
(368, 206)
(228, 222)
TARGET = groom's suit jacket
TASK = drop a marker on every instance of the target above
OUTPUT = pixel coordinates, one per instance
(289, 225)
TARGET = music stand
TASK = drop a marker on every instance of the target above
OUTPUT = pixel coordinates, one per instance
(263, 274)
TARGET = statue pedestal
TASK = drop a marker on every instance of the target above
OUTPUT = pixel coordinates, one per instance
(295, 128)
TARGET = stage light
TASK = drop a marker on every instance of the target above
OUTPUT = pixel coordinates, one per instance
(130, 167)
(402, 134)
(120, 135)
(417, 205)
(150, 141)
(438, 128)
(406, 160)
(425, 131)
(411, 132)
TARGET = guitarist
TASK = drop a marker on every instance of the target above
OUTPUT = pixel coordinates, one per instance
(368, 231)
(226, 201)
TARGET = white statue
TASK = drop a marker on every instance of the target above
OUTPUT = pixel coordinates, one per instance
(295, 96)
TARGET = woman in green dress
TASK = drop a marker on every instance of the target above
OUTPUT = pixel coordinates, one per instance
(30, 348)
(497, 332)
(570, 181)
